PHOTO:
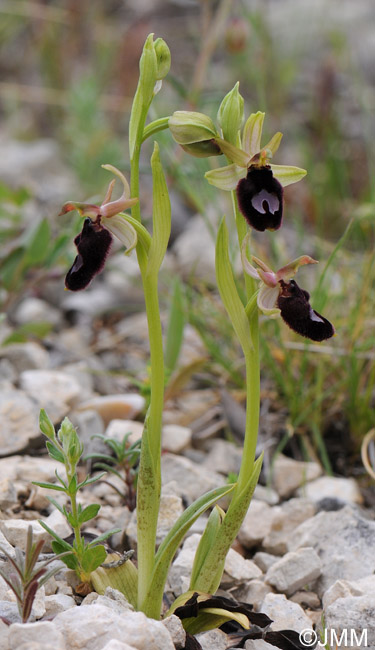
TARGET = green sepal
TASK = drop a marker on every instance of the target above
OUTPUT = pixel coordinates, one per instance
(228, 290)
(230, 115)
(161, 216)
(123, 578)
(171, 542)
(142, 233)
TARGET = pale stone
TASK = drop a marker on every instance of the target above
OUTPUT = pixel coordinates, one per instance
(119, 428)
(175, 438)
(267, 494)
(224, 456)
(285, 614)
(294, 571)
(237, 570)
(171, 507)
(114, 644)
(194, 250)
(8, 494)
(56, 603)
(253, 592)
(264, 560)
(111, 407)
(4, 634)
(307, 598)
(53, 390)
(30, 468)
(348, 588)
(289, 474)
(57, 522)
(180, 571)
(213, 639)
(256, 524)
(18, 421)
(287, 517)
(176, 630)
(111, 598)
(25, 356)
(192, 481)
(353, 616)
(15, 531)
(42, 632)
(344, 489)
(33, 309)
(95, 625)
(258, 644)
(344, 541)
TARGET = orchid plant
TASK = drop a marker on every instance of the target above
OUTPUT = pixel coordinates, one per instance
(257, 186)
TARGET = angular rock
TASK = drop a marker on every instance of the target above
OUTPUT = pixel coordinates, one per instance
(95, 625)
(264, 560)
(18, 421)
(192, 481)
(348, 588)
(287, 517)
(289, 474)
(257, 523)
(253, 592)
(175, 438)
(344, 541)
(353, 616)
(266, 494)
(343, 489)
(30, 468)
(53, 390)
(258, 644)
(56, 603)
(180, 571)
(15, 531)
(224, 456)
(119, 428)
(8, 494)
(285, 614)
(111, 407)
(4, 634)
(213, 639)
(308, 599)
(294, 571)
(118, 645)
(194, 250)
(42, 632)
(237, 570)
(25, 356)
(176, 630)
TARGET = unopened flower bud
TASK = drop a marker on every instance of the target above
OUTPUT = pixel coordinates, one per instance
(163, 58)
(188, 127)
(203, 149)
(230, 115)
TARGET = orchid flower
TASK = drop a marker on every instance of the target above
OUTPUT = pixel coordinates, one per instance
(280, 295)
(95, 240)
(258, 183)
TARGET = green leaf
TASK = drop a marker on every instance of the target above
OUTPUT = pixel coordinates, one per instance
(210, 532)
(28, 330)
(37, 247)
(207, 579)
(104, 536)
(89, 481)
(175, 331)
(49, 486)
(45, 425)
(88, 513)
(65, 546)
(93, 557)
(124, 578)
(228, 290)
(71, 561)
(57, 505)
(55, 453)
(161, 215)
(171, 542)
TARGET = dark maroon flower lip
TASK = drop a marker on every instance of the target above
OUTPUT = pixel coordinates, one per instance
(260, 198)
(298, 314)
(93, 245)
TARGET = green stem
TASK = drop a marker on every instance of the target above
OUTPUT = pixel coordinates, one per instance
(149, 477)
(155, 127)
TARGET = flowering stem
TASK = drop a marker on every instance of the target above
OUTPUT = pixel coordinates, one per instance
(149, 476)
(154, 127)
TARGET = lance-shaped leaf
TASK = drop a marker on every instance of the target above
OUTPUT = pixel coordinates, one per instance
(161, 215)
(287, 175)
(212, 528)
(228, 290)
(123, 577)
(206, 581)
(171, 542)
